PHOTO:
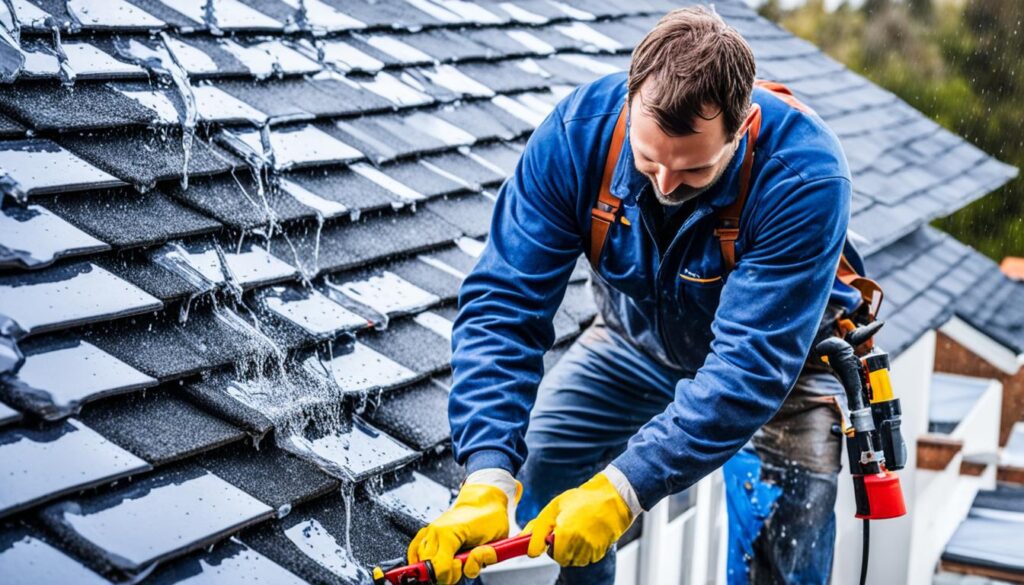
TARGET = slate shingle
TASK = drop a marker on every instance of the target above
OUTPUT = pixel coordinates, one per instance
(159, 426)
(127, 218)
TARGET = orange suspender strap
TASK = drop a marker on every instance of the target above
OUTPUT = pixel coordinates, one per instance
(607, 207)
(729, 217)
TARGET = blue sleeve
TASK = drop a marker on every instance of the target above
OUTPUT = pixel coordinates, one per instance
(507, 303)
(769, 311)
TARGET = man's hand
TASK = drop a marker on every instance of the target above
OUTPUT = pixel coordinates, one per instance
(586, 521)
(478, 516)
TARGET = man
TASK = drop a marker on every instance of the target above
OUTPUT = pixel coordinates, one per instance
(687, 360)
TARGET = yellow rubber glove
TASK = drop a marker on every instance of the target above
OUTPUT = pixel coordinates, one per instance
(586, 521)
(478, 516)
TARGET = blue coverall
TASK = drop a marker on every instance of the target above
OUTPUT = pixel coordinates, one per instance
(683, 365)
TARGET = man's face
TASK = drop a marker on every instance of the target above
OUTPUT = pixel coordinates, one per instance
(679, 167)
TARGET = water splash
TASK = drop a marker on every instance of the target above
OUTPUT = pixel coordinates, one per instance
(65, 70)
(163, 63)
(210, 18)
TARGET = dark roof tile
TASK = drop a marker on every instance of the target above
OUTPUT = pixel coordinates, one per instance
(36, 166)
(136, 268)
(471, 172)
(229, 562)
(126, 218)
(166, 349)
(31, 558)
(358, 368)
(300, 316)
(417, 416)
(275, 477)
(427, 277)
(423, 179)
(158, 426)
(86, 106)
(236, 200)
(313, 541)
(154, 519)
(349, 245)
(470, 213)
(31, 236)
(414, 500)
(345, 187)
(62, 373)
(352, 453)
(9, 128)
(505, 76)
(127, 155)
(39, 465)
(67, 295)
(412, 345)
(218, 392)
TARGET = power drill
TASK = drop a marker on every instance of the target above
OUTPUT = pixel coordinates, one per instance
(874, 443)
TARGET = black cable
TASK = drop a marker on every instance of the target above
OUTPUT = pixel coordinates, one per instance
(864, 553)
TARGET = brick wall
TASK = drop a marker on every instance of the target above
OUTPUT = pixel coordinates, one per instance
(953, 358)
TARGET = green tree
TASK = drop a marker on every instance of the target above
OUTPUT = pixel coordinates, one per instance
(959, 62)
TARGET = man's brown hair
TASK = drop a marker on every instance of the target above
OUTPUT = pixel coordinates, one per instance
(693, 59)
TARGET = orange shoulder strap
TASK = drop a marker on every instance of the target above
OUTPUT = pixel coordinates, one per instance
(605, 210)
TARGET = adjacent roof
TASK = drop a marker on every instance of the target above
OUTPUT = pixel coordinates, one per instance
(989, 538)
(231, 240)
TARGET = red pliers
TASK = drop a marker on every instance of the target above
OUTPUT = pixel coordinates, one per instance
(422, 573)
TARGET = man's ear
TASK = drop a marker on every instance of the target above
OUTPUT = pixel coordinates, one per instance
(751, 112)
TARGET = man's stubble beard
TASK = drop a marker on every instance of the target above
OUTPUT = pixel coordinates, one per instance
(684, 193)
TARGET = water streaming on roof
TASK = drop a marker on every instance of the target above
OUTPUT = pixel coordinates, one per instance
(162, 63)
(65, 71)
(317, 543)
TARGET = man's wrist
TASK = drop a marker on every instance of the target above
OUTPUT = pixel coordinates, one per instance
(488, 459)
(625, 489)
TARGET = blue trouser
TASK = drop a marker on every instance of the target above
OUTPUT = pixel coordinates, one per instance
(780, 493)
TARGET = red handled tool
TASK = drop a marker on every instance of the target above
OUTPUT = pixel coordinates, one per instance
(422, 573)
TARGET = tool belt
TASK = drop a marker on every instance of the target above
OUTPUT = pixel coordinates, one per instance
(607, 206)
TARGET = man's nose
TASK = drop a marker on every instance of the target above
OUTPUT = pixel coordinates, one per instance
(667, 181)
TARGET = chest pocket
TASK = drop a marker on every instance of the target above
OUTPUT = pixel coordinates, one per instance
(699, 277)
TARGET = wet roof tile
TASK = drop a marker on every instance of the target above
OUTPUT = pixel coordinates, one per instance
(417, 416)
(39, 465)
(455, 261)
(464, 168)
(68, 295)
(315, 540)
(227, 15)
(32, 236)
(344, 187)
(398, 93)
(291, 147)
(246, 265)
(126, 218)
(137, 269)
(32, 164)
(235, 199)
(353, 453)
(86, 106)
(159, 426)
(349, 245)
(224, 394)
(412, 345)
(229, 562)
(10, 128)
(426, 180)
(436, 281)
(309, 310)
(470, 213)
(383, 292)
(275, 477)
(61, 374)
(358, 368)
(166, 349)
(156, 518)
(126, 154)
(415, 501)
(34, 560)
